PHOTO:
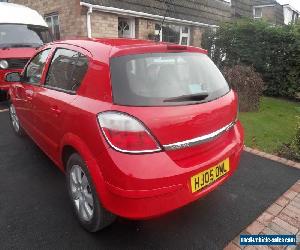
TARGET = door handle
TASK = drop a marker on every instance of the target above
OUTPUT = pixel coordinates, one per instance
(29, 94)
(55, 110)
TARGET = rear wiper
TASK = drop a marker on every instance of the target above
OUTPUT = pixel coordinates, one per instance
(22, 45)
(186, 98)
(19, 45)
(4, 46)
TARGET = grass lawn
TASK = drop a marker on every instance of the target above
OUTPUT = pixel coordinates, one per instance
(273, 125)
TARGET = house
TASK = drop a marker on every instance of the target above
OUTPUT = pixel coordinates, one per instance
(184, 21)
(241, 8)
(291, 15)
(269, 10)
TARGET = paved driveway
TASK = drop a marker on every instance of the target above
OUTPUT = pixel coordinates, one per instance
(35, 212)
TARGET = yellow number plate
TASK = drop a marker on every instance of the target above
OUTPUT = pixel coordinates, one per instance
(209, 176)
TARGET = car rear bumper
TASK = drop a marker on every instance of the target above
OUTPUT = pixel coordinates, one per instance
(150, 192)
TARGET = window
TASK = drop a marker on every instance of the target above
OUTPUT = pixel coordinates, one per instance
(154, 79)
(184, 35)
(173, 34)
(67, 70)
(53, 24)
(22, 35)
(34, 70)
(126, 27)
(257, 11)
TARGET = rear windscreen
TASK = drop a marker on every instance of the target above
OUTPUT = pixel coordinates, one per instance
(164, 79)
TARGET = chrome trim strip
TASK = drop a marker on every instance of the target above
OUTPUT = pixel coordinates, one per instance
(199, 140)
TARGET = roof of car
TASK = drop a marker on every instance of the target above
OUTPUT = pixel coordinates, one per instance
(112, 42)
(124, 46)
(18, 14)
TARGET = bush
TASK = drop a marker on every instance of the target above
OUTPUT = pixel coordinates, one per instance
(274, 52)
(292, 150)
(247, 83)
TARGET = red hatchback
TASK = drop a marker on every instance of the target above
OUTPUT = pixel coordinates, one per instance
(140, 128)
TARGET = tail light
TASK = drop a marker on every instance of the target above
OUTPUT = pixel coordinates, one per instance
(126, 134)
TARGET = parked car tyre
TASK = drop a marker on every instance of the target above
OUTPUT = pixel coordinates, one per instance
(15, 122)
(88, 209)
(3, 96)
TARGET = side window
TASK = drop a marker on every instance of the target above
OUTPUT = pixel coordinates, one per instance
(34, 70)
(67, 70)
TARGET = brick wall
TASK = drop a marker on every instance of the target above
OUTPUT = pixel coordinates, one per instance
(279, 14)
(273, 14)
(143, 28)
(72, 17)
(205, 11)
(72, 20)
(104, 24)
(242, 8)
(196, 36)
(268, 14)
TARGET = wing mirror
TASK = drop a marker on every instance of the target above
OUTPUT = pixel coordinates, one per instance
(13, 77)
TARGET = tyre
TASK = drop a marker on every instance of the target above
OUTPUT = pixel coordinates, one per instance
(3, 96)
(15, 122)
(88, 209)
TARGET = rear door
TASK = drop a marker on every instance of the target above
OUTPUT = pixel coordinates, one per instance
(65, 74)
(27, 89)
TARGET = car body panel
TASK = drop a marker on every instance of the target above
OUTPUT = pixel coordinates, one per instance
(130, 185)
(17, 53)
(180, 123)
(13, 53)
(49, 117)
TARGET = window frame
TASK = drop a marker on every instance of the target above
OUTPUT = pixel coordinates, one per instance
(181, 33)
(185, 35)
(51, 16)
(254, 12)
(71, 92)
(227, 1)
(131, 24)
(41, 82)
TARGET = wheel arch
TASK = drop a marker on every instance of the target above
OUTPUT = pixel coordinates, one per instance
(67, 151)
(72, 143)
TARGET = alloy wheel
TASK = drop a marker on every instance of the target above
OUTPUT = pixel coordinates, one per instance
(81, 193)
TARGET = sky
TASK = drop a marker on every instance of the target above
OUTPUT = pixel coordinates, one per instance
(294, 3)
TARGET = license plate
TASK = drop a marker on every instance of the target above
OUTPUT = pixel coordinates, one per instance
(207, 177)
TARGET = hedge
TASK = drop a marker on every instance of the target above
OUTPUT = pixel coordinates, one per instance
(292, 150)
(273, 51)
(248, 84)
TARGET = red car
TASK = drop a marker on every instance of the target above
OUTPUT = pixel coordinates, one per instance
(140, 128)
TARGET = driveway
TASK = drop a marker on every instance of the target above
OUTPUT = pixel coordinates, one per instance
(35, 212)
